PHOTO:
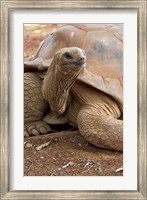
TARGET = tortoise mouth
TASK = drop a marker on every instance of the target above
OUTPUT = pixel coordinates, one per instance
(80, 62)
(75, 64)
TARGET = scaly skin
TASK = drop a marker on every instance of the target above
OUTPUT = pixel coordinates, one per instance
(100, 130)
(34, 106)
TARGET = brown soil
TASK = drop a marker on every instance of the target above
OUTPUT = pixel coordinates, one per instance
(64, 153)
(67, 153)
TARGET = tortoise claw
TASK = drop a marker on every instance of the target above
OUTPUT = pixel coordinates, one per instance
(36, 128)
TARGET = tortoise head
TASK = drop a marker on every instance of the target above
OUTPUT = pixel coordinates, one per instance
(70, 60)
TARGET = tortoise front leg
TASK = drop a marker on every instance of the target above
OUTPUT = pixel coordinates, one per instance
(34, 106)
(101, 130)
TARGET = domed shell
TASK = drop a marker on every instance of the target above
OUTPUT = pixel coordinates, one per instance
(103, 45)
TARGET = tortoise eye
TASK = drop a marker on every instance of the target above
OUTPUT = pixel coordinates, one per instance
(67, 55)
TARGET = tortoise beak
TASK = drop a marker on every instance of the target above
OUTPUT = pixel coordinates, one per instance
(81, 61)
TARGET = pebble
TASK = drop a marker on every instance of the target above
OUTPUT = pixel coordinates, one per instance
(27, 145)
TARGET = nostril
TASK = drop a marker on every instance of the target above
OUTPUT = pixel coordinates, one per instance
(82, 59)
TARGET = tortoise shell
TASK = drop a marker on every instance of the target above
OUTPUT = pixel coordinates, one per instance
(103, 45)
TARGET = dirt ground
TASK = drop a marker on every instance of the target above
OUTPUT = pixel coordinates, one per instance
(64, 152)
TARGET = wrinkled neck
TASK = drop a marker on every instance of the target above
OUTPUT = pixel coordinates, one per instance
(56, 86)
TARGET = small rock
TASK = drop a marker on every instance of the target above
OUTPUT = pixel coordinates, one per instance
(27, 145)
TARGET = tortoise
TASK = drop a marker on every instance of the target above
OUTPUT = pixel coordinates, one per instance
(83, 84)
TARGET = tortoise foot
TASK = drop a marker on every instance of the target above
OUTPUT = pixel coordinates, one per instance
(36, 128)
